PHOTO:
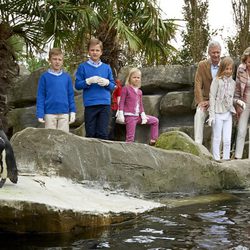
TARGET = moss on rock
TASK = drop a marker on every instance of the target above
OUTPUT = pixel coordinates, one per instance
(177, 140)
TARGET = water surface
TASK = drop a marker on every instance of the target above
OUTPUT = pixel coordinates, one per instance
(217, 224)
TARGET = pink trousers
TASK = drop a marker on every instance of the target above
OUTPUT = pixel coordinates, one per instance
(132, 121)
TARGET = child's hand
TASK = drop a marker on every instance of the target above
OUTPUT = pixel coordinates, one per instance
(93, 79)
(144, 119)
(210, 121)
(72, 117)
(120, 117)
(103, 81)
(41, 120)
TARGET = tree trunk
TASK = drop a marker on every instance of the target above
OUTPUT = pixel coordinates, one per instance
(8, 70)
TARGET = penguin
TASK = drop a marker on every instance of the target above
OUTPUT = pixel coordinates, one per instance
(3, 166)
(8, 168)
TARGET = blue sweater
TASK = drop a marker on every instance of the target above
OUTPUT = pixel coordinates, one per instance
(94, 94)
(55, 95)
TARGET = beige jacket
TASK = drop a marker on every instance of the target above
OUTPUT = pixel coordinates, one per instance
(202, 82)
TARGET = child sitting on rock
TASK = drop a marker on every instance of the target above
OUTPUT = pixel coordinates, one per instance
(131, 110)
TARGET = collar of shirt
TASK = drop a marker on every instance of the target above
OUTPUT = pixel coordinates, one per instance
(95, 64)
(214, 70)
(51, 71)
(135, 88)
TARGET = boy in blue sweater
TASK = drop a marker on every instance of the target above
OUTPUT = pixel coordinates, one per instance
(96, 80)
(55, 95)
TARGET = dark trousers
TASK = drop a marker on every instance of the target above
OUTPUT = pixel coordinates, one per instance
(112, 125)
(97, 121)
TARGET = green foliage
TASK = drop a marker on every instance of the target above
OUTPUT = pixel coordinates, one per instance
(197, 34)
(238, 43)
(127, 27)
(33, 63)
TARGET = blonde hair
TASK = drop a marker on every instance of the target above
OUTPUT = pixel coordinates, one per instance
(131, 72)
(245, 55)
(94, 42)
(225, 62)
(55, 51)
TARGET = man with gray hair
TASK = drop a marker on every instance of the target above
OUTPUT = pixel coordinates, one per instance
(206, 71)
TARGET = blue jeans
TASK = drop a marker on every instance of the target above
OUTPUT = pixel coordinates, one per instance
(97, 121)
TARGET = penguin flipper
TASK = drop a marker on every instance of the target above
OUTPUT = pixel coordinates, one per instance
(2, 182)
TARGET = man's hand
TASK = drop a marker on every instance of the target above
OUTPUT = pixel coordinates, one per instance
(204, 105)
(241, 103)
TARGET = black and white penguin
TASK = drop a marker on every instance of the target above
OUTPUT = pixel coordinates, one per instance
(3, 166)
(8, 168)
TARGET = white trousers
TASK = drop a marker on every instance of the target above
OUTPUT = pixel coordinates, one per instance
(199, 120)
(222, 128)
(242, 131)
(57, 121)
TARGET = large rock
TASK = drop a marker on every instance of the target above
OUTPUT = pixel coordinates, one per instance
(177, 103)
(137, 168)
(56, 205)
(151, 104)
(21, 118)
(164, 78)
(177, 140)
(24, 90)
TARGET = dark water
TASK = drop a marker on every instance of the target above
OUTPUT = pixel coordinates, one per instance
(214, 225)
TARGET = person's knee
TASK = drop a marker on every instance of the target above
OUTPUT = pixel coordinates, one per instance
(155, 121)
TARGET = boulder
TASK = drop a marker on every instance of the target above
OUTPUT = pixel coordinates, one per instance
(178, 103)
(40, 204)
(177, 140)
(151, 104)
(164, 78)
(21, 118)
(134, 167)
(24, 89)
(235, 174)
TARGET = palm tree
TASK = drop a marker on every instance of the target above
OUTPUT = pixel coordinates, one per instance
(10, 25)
(135, 28)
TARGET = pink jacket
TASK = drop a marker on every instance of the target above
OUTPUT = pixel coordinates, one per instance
(241, 82)
(129, 100)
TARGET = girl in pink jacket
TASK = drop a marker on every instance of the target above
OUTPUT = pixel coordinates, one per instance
(131, 110)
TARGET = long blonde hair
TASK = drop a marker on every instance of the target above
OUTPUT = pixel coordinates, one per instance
(131, 72)
(224, 63)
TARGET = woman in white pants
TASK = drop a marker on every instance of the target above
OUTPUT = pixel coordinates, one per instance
(221, 99)
(242, 92)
